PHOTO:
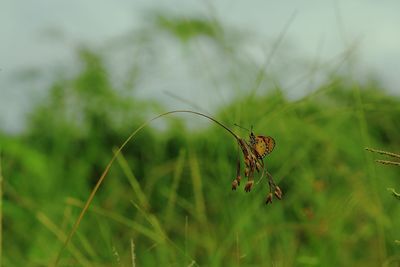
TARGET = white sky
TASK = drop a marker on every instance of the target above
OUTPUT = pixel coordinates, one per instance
(329, 26)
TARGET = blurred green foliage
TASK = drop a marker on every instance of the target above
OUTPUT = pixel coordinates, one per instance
(170, 192)
(186, 29)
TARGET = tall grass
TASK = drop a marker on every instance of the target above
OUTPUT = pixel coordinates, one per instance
(178, 205)
(1, 212)
(196, 179)
(170, 189)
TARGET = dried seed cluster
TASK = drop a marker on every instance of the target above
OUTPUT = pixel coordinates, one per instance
(254, 162)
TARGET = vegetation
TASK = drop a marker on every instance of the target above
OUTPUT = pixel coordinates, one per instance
(167, 200)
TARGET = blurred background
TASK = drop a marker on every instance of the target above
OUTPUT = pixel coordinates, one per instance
(78, 78)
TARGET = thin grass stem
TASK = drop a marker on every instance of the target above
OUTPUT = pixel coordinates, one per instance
(107, 169)
(133, 256)
(394, 193)
(390, 154)
(388, 162)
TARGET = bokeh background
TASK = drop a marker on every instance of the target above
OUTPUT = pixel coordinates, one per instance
(78, 78)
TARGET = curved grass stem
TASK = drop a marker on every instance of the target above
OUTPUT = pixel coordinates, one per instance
(106, 170)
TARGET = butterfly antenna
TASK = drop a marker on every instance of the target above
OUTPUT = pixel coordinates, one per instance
(237, 125)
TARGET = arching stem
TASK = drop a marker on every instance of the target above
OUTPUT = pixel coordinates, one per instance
(106, 170)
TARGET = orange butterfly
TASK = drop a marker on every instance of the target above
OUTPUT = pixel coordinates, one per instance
(261, 145)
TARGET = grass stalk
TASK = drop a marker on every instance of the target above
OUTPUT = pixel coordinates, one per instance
(388, 162)
(152, 219)
(197, 189)
(137, 189)
(133, 256)
(53, 228)
(175, 184)
(119, 219)
(394, 193)
(1, 213)
(107, 169)
(386, 153)
(390, 154)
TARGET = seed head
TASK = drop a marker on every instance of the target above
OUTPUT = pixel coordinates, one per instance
(269, 199)
(248, 186)
(278, 192)
(234, 184)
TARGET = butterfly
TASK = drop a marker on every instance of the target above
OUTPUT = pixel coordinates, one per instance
(261, 145)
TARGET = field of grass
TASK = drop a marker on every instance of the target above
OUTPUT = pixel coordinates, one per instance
(167, 200)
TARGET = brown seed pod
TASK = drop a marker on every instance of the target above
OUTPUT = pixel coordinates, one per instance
(234, 184)
(248, 186)
(278, 192)
(269, 199)
(238, 179)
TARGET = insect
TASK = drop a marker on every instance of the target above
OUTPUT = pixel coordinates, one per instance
(261, 145)
(253, 152)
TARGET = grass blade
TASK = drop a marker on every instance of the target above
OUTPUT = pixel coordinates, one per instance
(390, 154)
(107, 169)
(197, 189)
(133, 257)
(137, 189)
(175, 183)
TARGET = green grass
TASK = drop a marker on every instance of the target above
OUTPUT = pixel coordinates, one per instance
(167, 199)
(170, 193)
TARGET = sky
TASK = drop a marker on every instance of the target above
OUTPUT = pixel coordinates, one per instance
(43, 34)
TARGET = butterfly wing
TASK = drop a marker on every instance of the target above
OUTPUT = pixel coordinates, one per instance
(263, 145)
